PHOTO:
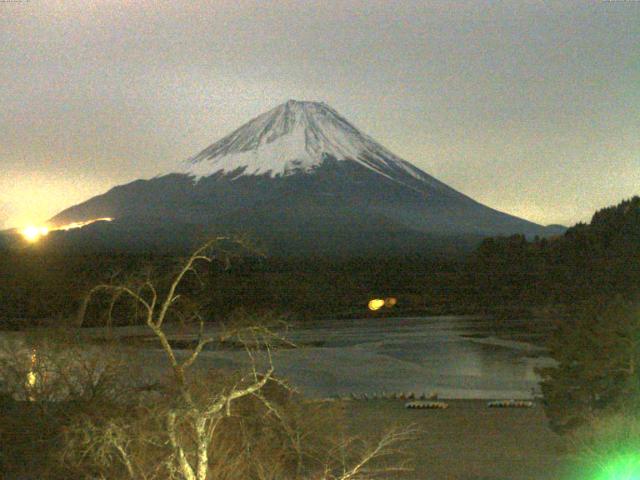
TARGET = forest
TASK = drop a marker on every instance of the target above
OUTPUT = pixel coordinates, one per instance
(586, 282)
(504, 276)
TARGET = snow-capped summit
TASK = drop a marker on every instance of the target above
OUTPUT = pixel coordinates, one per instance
(297, 136)
(301, 179)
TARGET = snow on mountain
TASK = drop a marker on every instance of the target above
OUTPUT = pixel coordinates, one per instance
(302, 179)
(297, 137)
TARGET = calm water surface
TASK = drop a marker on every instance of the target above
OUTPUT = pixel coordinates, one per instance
(456, 357)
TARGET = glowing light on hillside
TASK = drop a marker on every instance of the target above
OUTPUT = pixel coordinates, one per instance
(390, 302)
(32, 377)
(32, 233)
(376, 304)
(74, 225)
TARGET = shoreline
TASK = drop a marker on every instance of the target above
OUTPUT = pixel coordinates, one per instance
(468, 440)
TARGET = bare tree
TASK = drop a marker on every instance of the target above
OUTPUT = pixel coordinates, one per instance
(361, 460)
(192, 417)
(192, 461)
(56, 365)
(49, 378)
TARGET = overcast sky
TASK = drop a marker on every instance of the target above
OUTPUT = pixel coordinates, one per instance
(532, 108)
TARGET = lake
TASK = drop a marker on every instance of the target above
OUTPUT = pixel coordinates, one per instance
(455, 357)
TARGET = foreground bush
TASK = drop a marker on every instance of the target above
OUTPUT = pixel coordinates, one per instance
(598, 357)
(105, 420)
(607, 448)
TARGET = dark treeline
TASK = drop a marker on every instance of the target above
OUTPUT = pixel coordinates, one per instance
(319, 287)
(506, 274)
(596, 260)
(39, 286)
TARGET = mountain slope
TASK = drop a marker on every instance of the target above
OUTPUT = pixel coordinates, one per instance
(299, 136)
(303, 178)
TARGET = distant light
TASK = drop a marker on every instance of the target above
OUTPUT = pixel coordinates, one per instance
(33, 234)
(32, 377)
(390, 302)
(74, 225)
(376, 304)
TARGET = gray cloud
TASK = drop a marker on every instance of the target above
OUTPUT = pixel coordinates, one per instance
(530, 107)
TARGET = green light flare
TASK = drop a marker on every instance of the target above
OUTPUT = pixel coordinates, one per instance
(622, 467)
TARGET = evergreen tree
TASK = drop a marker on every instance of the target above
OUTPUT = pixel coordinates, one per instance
(598, 364)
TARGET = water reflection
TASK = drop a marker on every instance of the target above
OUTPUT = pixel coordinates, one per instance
(456, 357)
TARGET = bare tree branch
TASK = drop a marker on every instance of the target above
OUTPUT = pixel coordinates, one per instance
(192, 417)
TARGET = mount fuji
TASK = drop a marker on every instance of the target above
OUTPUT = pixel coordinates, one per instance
(301, 179)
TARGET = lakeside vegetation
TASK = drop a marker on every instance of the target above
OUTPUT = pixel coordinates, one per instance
(505, 276)
(588, 280)
(73, 409)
